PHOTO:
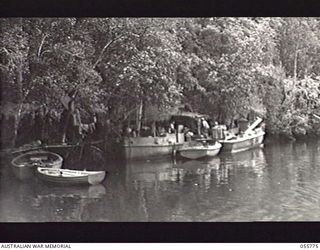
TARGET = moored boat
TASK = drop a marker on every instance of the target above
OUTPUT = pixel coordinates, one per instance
(251, 138)
(25, 164)
(151, 147)
(68, 176)
(196, 150)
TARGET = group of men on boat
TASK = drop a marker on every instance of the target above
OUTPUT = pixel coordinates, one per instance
(201, 127)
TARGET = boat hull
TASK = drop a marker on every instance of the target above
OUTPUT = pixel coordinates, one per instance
(24, 167)
(151, 147)
(92, 179)
(198, 152)
(242, 144)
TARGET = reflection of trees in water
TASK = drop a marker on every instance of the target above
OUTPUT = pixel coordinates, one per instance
(292, 164)
(57, 208)
(151, 185)
(236, 187)
(256, 184)
(280, 164)
(306, 170)
(222, 174)
(253, 161)
(305, 157)
(34, 201)
(154, 174)
(314, 150)
(149, 182)
(180, 191)
(67, 203)
(122, 201)
(15, 200)
(150, 173)
(292, 180)
(202, 172)
(16, 197)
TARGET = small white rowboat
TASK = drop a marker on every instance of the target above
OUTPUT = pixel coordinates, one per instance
(68, 176)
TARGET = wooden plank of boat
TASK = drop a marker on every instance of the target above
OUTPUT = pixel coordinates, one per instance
(253, 125)
(200, 151)
(25, 164)
(68, 176)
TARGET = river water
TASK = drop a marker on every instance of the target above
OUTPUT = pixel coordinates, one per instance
(279, 182)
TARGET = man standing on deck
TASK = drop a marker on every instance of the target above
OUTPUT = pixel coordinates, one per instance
(205, 127)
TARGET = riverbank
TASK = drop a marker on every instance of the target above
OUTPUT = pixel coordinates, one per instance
(284, 137)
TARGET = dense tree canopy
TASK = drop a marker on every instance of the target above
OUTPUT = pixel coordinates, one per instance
(224, 67)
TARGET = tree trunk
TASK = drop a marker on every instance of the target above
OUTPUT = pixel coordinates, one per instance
(139, 117)
(12, 142)
(153, 129)
(295, 67)
(17, 116)
(65, 127)
(67, 122)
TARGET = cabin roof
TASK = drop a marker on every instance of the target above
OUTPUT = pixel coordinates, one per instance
(190, 114)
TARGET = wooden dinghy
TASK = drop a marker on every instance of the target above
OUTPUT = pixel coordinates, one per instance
(25, 164)
(197, 150)
(68, 176)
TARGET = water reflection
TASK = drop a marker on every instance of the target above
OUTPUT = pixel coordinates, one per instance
(152, 171)
(67, 204)
(201, 171)
(278, 182)
(45, 190)
(191, 190)
(34, 200)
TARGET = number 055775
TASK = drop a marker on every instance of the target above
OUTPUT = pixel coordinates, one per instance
(308, 245)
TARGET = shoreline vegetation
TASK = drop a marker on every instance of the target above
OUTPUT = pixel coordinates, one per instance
(80, 80)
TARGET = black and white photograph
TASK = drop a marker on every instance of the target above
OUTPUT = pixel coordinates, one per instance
(185, 119)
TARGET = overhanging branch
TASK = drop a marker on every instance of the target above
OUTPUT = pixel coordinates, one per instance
(104, 49)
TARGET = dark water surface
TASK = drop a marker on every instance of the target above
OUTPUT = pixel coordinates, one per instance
(280, 182)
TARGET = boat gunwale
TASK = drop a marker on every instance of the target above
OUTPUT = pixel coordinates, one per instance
(241, 139)
(153, 145)
(88, 173)
(201, 148)
(260, 145)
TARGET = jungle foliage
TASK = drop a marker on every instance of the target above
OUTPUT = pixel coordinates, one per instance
(224, 67)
